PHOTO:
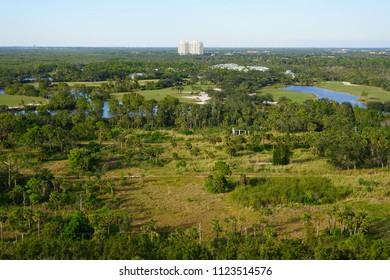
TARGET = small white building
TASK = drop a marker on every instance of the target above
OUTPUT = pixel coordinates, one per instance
(239, 132)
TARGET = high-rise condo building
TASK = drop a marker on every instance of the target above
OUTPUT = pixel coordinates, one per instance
(193, 47)
(196, 47)
(183, 48)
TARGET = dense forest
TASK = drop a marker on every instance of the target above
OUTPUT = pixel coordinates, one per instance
(78, 184)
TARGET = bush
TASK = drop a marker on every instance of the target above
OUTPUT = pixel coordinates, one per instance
(181, 163)
(186, 131)
(368, 185)
(154, 137)
(222, 168)
(217, 183)
(255, 148)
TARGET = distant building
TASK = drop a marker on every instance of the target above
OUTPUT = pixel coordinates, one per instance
(258, 68)
(183, 48)
(196, 47)
(230, 66)
(193, 47)
(233, 66)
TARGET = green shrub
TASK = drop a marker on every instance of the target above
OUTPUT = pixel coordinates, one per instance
(181, 163)
(154, 137)
(222, 167)
(255, 148)
(368, 185)
(217, 183)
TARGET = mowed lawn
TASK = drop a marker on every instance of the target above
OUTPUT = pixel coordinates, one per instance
(373, 93)
(17, 100)
(87, 84)
(160, 94)
(96, 84)
(157, 95)
(277, 93)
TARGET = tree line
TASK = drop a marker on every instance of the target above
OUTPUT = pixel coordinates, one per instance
(310, 66)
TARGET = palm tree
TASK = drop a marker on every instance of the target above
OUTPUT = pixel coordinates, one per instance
(216, 228)
(3, 219)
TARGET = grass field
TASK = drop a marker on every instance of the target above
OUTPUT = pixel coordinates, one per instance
(96, 84)
(88, 84)
(157, 95)
(277, 93)
(148, 94)
(160, 94)
(374, 93)
(17, 100)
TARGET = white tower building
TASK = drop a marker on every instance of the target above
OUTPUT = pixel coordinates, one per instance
(183, 48)
(196, 47)
(193, 47)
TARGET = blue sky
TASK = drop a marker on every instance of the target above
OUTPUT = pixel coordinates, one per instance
(219, 23)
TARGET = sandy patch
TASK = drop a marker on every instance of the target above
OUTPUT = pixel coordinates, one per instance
(349, 84)
(201, 97)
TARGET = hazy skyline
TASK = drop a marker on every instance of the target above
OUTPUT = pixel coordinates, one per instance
(148, 23)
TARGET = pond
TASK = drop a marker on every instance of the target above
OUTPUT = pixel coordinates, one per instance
(2, 91)
(339, 97)
(106, 110)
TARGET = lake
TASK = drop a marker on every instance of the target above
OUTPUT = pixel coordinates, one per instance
(339, 97)
(2, 91)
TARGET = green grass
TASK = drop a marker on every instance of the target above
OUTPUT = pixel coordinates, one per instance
(374, 93)
(143, 82)
(87, 84)
(17, 100)
(96, 84)
(298, 97)
(160, 94)
(157, 95)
